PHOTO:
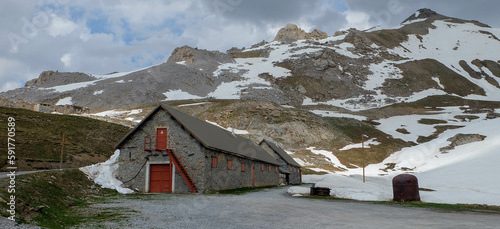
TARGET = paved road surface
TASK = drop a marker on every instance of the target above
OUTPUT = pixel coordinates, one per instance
(274, 208)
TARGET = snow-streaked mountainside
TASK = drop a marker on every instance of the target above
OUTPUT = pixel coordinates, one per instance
(425, 95)
(357, 70)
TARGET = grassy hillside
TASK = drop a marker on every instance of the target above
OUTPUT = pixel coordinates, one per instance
(55, 199)
(38, 139)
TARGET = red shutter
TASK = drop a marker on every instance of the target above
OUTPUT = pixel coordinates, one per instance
(214, 162)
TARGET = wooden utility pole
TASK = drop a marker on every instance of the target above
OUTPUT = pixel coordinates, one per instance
(364, 155)
(62, 152)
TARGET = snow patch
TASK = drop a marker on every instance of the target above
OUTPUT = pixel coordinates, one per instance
(98, 92)
(335, 114)
(193, 104)
(104, 174)
(65, 101)
(328, 154)
(367, 144)
(179, 95)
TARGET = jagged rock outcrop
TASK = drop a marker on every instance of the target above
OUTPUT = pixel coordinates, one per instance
(55, 78)
(462, 139)
(293, 32)
(191, 55)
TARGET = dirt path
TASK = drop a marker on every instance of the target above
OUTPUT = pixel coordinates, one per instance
(274, 208)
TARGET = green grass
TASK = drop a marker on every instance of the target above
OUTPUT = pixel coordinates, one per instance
(248, 54)
(448, 100)
(353, 129)
(429, 121)
(307, 171)
(39, 136)
(55, 199)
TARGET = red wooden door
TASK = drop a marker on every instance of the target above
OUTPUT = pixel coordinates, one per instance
(253, 175)
(160, 178)
(161, 139)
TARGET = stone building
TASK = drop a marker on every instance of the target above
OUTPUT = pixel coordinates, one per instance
(290, 172)
(170, 151)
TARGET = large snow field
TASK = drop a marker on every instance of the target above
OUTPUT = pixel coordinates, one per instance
(467, 174)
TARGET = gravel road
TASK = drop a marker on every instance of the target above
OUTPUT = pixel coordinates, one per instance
(274, 208)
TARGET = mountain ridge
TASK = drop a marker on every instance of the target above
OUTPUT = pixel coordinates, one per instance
(361, 69)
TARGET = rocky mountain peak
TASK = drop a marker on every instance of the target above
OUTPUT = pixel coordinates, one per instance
(184, 53)
(425, 13)
(293, 32)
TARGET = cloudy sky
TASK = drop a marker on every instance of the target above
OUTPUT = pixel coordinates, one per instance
(99, 37)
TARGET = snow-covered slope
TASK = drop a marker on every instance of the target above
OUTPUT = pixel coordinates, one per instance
(465, 173)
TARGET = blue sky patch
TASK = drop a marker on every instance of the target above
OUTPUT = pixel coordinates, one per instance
(98, 23)
(76, 13)
(172, 25)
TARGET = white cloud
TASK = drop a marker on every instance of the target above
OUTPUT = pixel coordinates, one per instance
(7, 86)
(66, 59)
(60, 27)
(358, 20)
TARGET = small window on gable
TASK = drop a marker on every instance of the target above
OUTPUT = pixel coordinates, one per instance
(243, 166)
(214, 162)
(229, 164)
(261, 166)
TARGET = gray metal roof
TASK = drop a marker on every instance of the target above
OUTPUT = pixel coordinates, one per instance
(282, 170)
(282, 153)
(214, 137)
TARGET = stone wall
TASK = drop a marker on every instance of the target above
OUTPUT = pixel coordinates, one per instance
(133, 157)
(295, 175)
(221, 177)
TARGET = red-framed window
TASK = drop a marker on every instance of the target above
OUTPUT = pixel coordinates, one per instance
(276, 168)
(214, 162)
(243, 166)
(261, 166)
(269, 168)
(229, 164)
